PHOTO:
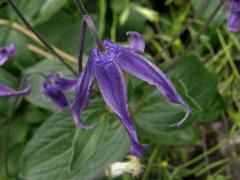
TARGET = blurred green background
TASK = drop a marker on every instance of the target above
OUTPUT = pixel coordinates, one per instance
(203, 62)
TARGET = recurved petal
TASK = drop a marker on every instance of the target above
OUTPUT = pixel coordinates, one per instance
(55, 94)
(7, 91)
(234, 21)
(113, 89)
(82, 92)
(7, 52)
(137, 43)
(146, 71)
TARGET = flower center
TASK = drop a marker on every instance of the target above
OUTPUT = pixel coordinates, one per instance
(110, 55)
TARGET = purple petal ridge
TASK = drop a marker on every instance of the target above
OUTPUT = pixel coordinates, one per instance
(112, 86)
(146, 71)
(81, 94)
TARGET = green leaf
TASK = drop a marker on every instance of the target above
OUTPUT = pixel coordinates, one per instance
(38, 11)
(68, 28)
(154, 117)
(23, 56)
(47, 156)
(200, 83)
(107, 138)
(49, 150)
(48, 9)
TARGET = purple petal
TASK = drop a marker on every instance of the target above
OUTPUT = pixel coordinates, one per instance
(82, 91)
(65, 84)
(137, 43)
(55, 86)
(234, 21)
(112, 87)
(7, 52)
(143, 69)
(7, 91)
(55, 94)
(234, 5)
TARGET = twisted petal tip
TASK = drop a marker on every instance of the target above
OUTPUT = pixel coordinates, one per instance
(179, 123)
(137, 43)
(138, 150)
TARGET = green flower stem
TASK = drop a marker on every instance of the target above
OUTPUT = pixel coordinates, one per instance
(81, 45)
(90, 26)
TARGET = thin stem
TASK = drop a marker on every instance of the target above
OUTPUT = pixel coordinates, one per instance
(81, 8)
(186, 26)
(8, 126)
(10, 119)
(201, 156)
(90, 26)
(45, 43)
(81, 45)
(94, 33)
(202, 30)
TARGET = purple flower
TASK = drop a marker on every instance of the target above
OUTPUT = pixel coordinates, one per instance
(107, 68)
(55, 86)
(5, 53)
(233, 15)
(234, 21)
(234, 5)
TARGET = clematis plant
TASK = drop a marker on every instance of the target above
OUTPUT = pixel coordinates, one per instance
(108, 69)
(106, 62)
(5, 53)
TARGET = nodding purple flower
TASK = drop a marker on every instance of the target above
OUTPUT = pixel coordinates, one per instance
(55, 86)
(5, 54)
(233, 15)
(107, 68)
